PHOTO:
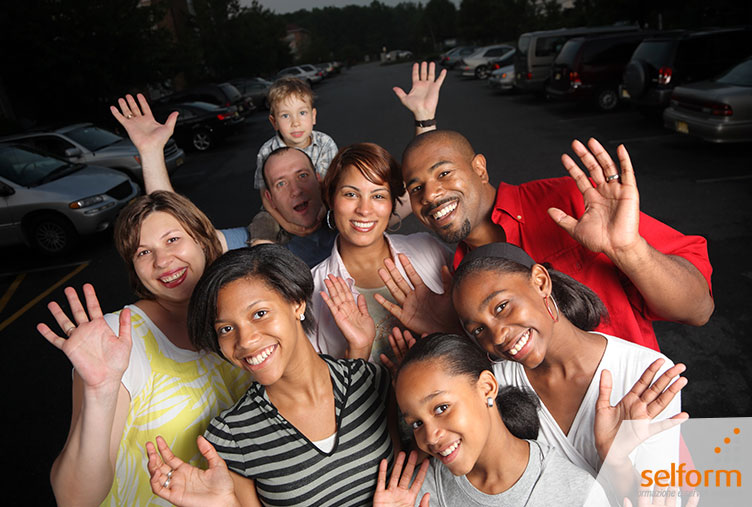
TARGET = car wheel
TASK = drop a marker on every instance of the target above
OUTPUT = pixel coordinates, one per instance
(202, 140)
(481, 72)
(52, 234)
(607, 99)
(635, 78)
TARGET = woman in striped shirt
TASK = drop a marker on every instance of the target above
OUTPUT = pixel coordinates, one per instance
(311, 430)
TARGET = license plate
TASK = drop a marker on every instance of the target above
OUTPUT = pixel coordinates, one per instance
(557, 76)
(681, 126)
(179, 162)
(625, 94)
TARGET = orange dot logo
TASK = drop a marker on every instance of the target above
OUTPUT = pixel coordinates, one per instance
(727, 440)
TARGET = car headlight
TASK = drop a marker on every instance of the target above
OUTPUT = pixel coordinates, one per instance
(86, 202)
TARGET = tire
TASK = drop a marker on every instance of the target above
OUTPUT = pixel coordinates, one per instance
(607, 99)
(481, 72)
(202, 139)
(635, 78)
(52, 235)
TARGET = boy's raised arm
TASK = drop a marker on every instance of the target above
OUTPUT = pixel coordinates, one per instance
(423, 98)
(149, 137)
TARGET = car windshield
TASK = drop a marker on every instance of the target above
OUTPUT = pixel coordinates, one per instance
(568, 53)
(93, 138)
(655, 52)
(741, 75)
(28, 168)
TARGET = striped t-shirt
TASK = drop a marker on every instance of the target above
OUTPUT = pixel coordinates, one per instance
(288, 469)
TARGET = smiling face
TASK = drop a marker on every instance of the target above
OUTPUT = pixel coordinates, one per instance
(257, 329)
(361, 208)
(449, 415)
(294, 189)
(168, 261)
(445, 184)
(506, 313)
(294, 118)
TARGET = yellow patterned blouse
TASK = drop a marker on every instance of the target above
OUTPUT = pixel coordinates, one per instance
(174, 393)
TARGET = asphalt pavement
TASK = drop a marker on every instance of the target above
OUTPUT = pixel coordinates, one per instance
(695, 187)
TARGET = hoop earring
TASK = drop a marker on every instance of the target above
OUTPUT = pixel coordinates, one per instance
(395, 228)
(493, 361)
(329, 222)
(548, 307)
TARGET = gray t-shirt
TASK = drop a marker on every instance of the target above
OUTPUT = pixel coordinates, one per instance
(549, 479)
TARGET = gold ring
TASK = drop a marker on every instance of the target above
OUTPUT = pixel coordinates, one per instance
(70, 330)
(129, 116)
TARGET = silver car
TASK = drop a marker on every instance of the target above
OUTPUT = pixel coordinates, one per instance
(48, 202)
(502, 79)
(307, 73)
(88, 144)
(477, 64)
(718, 110)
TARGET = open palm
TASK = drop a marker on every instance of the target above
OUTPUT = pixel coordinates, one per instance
(351, 317)
(143, 129)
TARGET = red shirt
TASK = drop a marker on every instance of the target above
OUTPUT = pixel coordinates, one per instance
(521, 210)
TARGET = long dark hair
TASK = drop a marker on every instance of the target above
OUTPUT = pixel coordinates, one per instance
(274, 265)
(577, 302)
(460, 356)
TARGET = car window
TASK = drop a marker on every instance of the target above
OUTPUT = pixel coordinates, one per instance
(48, 144)
(568, 52)
(93, 138)
(232, 93)
(549, 46)
(26, 168)
(616, 51)
(741, 75)
(657, 53)
(523, 44)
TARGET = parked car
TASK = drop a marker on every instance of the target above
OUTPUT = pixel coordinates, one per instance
(397, 55)
(451, 58)
(312, 76)
(200, 125)
(536, 52)
(502, 79)
(477, 64)
(220, 94)
(48, 202)
(676, 58)
(89, 144)
(717, 110)
(256, 88)
(589, 68)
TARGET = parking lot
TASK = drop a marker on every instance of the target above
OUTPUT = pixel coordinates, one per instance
(695, 187)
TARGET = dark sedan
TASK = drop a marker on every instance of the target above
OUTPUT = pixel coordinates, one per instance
(718, 110)
(200, 125)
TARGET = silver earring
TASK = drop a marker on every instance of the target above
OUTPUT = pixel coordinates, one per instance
(329, 222)
(302, 317)
(489, 402)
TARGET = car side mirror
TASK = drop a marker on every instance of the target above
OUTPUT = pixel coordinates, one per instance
(73, 152)
(6, 190)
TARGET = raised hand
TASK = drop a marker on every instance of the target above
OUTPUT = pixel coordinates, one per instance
(423, 98)
(611, 220)
(400, 343)
(418, 308)
(137, 119)
(351, 318)
(185, 485)
(640, 405)
(399, 492)
(99, 356)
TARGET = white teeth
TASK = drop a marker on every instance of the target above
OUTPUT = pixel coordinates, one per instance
(520, 343)
(449, 450)
(363, 225)
(173, 277)
(261, 356)
(445, 210)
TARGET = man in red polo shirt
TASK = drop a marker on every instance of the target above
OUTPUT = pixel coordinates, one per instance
(589, 228)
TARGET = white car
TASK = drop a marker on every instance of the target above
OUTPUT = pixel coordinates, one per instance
(307, 73)
(49, 202)
(477, 64)
(502, 79)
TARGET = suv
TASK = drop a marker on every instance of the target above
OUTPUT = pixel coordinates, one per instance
(662, 62)
(221, 94)
(48, 202)
(590, 68)
(536, 52)
(477, 64)
(88, 144)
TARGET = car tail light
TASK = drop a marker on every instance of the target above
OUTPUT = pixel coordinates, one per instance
(664, 75)
(530, 75)
(718, 109)
(225, 116)
(574, 80)
(503, 75)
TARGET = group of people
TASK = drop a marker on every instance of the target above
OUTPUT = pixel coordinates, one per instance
(305, 358)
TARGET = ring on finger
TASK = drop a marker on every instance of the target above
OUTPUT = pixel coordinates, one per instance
(70, 330)
(169, 474)
(613, 177)
(129, 116)
(167, 483)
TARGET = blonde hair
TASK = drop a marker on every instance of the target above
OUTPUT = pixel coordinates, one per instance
(286, 87)
(127, 234)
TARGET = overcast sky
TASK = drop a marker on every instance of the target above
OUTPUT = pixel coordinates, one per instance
(284, 6)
